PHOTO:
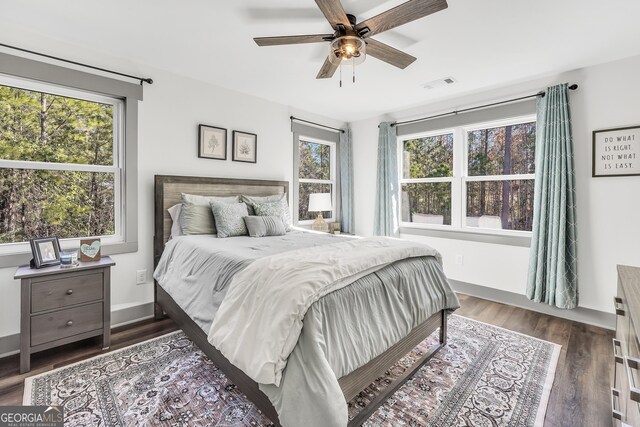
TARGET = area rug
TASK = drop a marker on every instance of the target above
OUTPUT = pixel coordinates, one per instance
(484, 376)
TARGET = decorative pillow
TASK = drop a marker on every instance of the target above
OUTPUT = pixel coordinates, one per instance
(260, 226)
(230, 218)
(253, 200)
(279, 209)
(196, 213)
(176, 226)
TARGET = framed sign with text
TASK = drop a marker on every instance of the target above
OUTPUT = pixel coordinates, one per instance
(616, 152)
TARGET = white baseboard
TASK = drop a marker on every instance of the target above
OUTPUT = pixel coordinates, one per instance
(10, 344)
(580, 314)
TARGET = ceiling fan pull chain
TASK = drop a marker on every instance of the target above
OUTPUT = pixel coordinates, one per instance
(353, 64)
(340, 75)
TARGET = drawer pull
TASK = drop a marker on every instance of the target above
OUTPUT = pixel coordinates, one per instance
(617, 351)
(632, 363)
(70, 322)
(615, 397)
(69, 291)
(617, 303)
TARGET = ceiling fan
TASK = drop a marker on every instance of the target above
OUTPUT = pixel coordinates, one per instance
(351, 41)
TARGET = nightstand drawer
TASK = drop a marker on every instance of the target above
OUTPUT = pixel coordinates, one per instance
(65, 323)
(56, 293)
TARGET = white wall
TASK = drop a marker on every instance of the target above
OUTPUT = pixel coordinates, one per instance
(608, 209)
(172, 108)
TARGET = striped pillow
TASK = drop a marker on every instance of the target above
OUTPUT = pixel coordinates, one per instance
(261, 226)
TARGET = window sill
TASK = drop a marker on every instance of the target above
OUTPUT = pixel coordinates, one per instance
(16, 259)
(520, 240)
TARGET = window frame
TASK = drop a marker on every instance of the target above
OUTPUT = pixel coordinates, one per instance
(333, 181)
(55, 76)
(450, 179)
(116, 167)
(461, 177)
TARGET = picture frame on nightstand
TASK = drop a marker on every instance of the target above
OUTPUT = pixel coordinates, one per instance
(46, 252)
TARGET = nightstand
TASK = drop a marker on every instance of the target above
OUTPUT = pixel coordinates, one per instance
(63, 305)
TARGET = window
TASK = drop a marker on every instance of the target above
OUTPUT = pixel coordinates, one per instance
(316, 174)
(477, 177)
(61, 168)
(427, 175)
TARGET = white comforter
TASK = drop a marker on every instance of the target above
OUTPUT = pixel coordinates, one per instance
(260, 319)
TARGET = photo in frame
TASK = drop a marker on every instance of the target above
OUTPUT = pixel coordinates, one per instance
(90, 250)
(46, 252)
(245, 147)
(616, 152)
(212, 142)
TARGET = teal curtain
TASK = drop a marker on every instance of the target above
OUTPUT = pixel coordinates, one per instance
(386, 209)
(553, 259)
(346, 181)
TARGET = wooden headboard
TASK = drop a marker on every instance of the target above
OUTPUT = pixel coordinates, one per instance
(168, 190)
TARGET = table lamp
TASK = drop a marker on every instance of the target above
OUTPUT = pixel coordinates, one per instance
(320, 202)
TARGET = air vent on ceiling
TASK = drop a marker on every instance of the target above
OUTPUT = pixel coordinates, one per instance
(439, 83)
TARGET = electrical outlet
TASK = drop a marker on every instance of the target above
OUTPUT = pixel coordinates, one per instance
(141, 277)
(459, 259)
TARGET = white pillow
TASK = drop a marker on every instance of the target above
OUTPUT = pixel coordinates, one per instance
(176, 226)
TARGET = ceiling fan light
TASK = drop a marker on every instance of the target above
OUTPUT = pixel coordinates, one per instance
(347, 50)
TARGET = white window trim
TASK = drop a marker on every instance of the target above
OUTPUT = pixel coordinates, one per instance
(333, 175)
(461, 177)
(117, 167)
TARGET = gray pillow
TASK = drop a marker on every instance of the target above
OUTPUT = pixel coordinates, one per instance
(260, 226)
(279, 209)
(230, 218)
(253, 200)
(196, 217)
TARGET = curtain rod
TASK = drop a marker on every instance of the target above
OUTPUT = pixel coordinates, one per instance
(316, 124)
(541, 93)
(142, 79)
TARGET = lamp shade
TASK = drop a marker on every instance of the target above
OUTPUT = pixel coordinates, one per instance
(319, 202)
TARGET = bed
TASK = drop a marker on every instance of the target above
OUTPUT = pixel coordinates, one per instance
(173, 297)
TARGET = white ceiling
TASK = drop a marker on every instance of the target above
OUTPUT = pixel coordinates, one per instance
(481, 44)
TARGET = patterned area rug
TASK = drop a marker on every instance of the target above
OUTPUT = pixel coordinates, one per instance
(485, 376)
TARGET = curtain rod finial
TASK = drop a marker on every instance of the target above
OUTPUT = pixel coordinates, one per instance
(573, 86)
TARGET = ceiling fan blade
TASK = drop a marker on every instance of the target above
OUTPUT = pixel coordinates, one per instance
(280, 40)
(333, 11)
(389, 54)
(327, 71)
(400, 15)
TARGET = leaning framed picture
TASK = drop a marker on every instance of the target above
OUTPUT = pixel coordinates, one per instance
(212, 142)
(616, 152)
(245, 147)
(46, 251)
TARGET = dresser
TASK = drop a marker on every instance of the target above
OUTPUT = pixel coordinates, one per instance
(625, 390)
(63, 305)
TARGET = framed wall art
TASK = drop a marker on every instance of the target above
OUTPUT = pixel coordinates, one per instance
(245, 147)
(212, 142)
(616, 152)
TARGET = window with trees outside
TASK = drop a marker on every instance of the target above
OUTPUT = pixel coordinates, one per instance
(60, 162)
(477, 177)
(316, 174)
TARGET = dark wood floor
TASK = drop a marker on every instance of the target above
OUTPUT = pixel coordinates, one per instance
(580, 394)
